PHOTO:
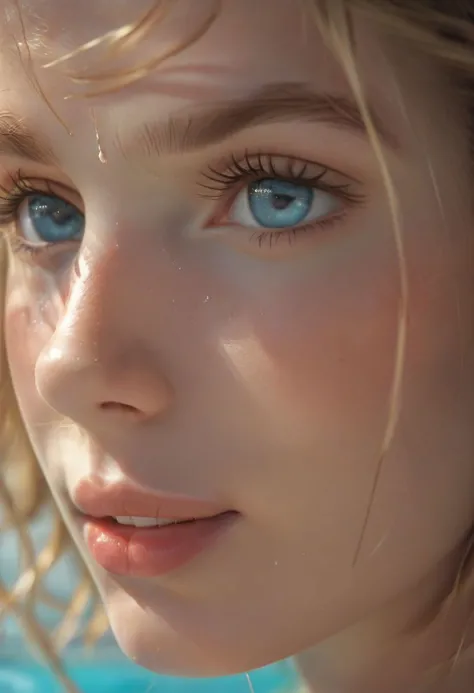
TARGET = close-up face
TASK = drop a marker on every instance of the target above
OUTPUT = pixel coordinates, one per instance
(202, 313)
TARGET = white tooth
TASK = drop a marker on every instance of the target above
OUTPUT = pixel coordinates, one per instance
(124, 520)
(145, 521)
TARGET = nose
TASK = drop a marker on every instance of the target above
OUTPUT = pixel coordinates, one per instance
(100, 366)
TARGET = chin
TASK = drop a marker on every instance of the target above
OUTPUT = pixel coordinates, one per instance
(153, 642)
(170, 655)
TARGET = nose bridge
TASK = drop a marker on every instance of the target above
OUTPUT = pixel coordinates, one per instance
(107, 287)
(89, 310)
(98, 354)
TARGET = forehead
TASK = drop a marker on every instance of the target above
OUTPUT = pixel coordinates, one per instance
(250, 45)
(249, 40)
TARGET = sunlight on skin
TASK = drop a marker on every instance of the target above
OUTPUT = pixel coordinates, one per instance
(199, 336)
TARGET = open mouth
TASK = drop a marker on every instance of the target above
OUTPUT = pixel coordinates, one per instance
(149, 547)
(150, 521)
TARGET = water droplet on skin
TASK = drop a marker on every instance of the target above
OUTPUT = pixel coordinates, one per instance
(206, 300)
(100, 151)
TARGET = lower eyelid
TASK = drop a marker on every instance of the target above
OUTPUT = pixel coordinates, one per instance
(287, 236)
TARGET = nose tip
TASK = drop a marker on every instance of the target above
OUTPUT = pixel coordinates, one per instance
(102, 365)
(94, 393)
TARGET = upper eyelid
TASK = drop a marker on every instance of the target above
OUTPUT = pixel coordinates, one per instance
(248, 165)
(225, 163)
(277, 160)
(45, 187)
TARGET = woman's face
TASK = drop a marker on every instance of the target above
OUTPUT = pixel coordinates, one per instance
(203, 302)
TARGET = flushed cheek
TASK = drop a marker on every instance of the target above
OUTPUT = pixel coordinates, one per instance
(319, 358)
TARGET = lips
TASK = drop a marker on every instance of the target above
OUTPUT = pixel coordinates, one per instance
(156, 547)
(97, 498)
(154, 551)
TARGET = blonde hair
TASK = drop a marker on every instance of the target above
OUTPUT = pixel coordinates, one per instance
(444, 30)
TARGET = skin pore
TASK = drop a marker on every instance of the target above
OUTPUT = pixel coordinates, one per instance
(177, 343)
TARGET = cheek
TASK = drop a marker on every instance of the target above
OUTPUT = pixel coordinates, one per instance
(320, 352)
(33, 305)
(31, 313)
(317, 350)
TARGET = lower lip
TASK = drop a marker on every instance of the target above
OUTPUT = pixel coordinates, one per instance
(152, 551)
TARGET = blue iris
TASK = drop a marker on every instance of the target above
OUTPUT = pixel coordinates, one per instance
(55, 220)
(277, 203)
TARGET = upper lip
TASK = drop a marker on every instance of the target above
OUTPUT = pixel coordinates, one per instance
(109, 499)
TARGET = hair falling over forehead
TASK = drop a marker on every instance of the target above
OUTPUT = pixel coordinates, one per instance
(123, 40)
(444, 30)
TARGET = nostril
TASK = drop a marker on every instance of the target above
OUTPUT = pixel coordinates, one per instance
(119, 407)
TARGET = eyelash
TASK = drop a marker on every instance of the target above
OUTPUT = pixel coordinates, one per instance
(10, 202)
(218, 184)
(254, 167)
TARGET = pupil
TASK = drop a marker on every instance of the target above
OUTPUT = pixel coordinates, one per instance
(61, 216)
(282, 201)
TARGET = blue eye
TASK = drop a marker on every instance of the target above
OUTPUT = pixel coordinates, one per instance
(49, 219)
(278, 204)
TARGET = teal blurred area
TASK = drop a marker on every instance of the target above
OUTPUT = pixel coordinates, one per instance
(105, 676)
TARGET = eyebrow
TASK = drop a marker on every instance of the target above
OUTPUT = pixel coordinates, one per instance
(276, 103)
(18, 140)
(188, 132)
